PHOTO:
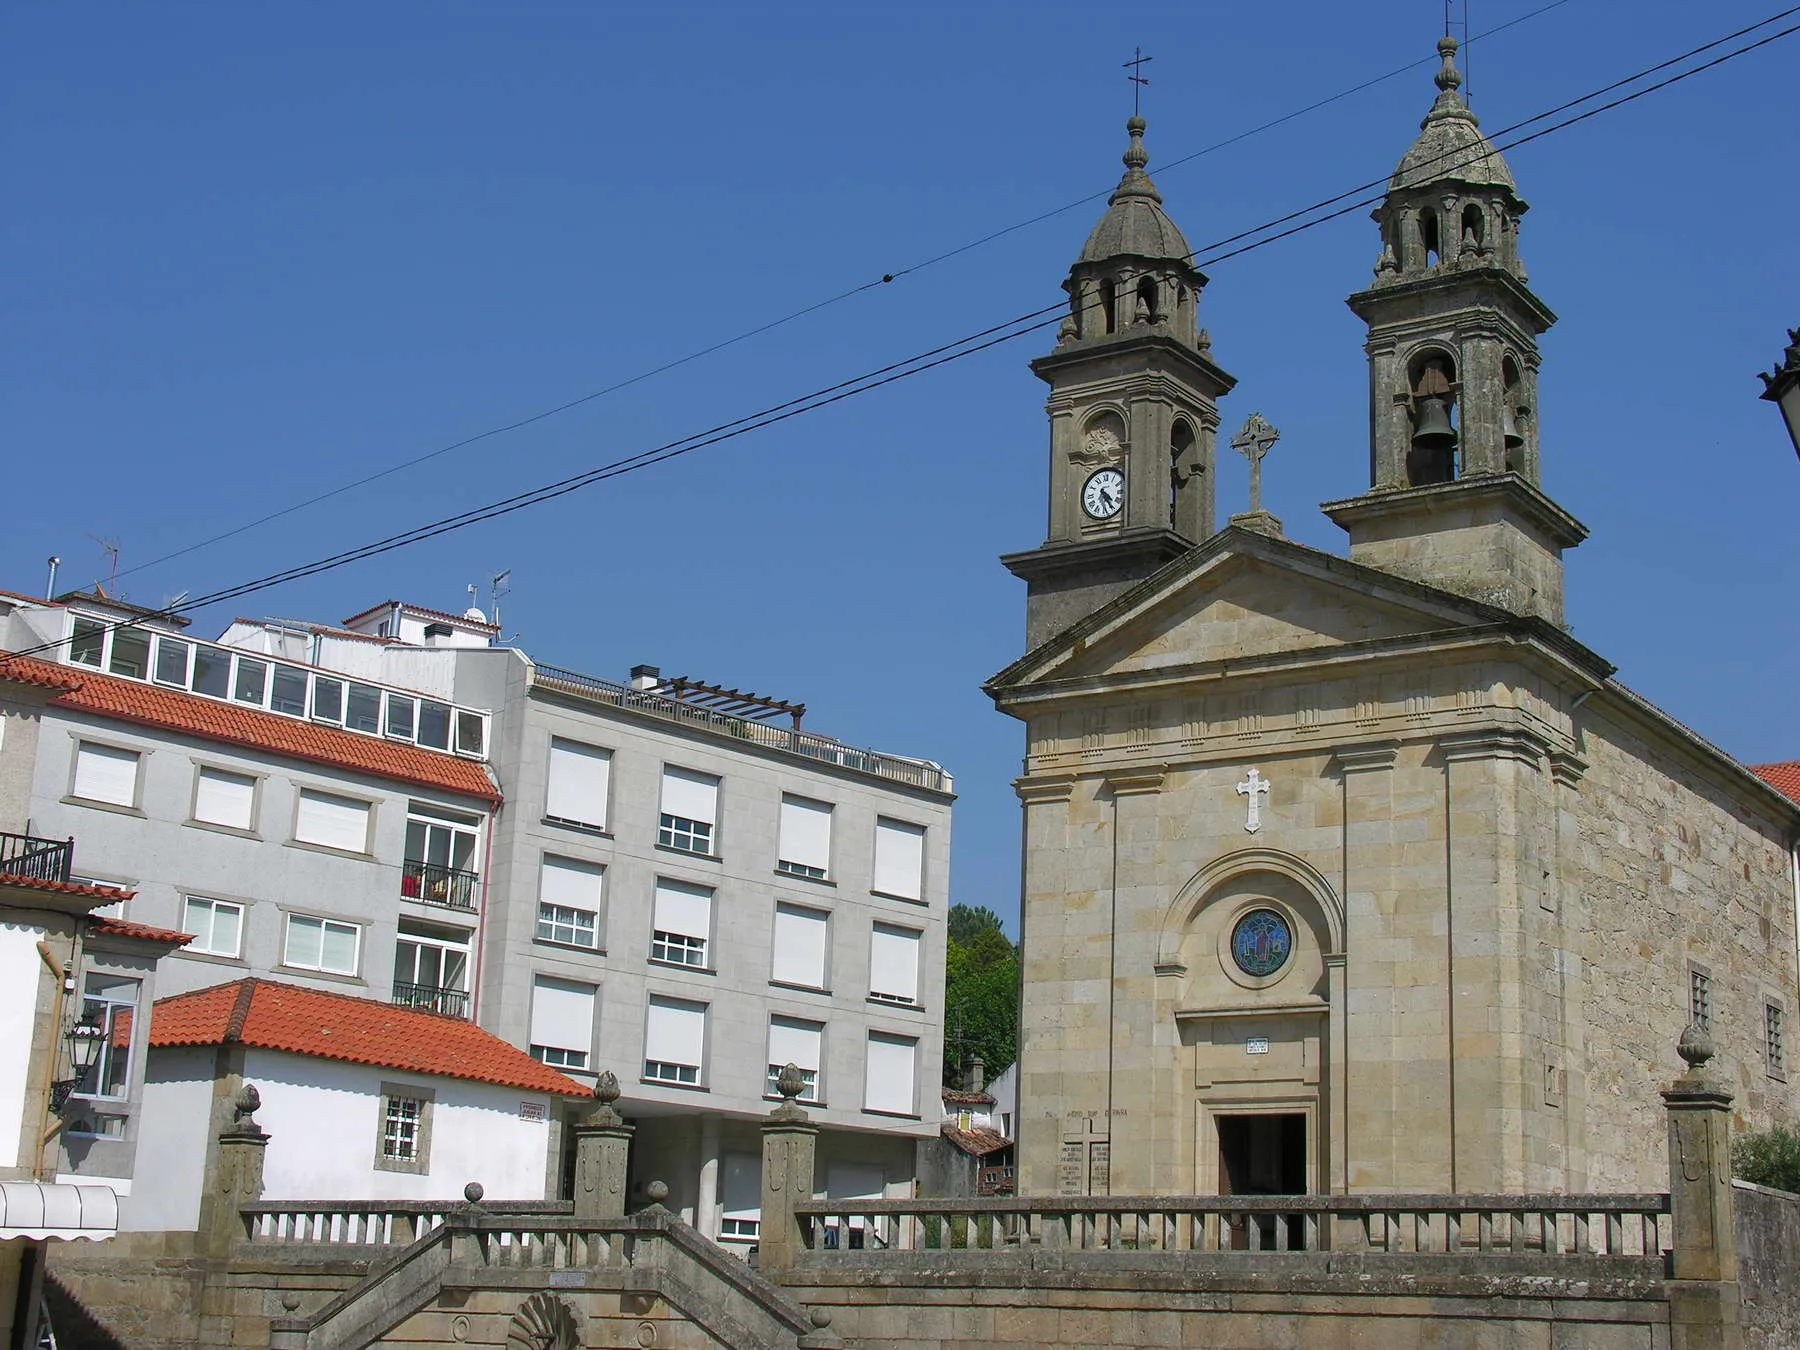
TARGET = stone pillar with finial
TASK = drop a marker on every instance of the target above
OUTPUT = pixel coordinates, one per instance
(288, 1332)
(1703, 1290)
(235, 1178)
(790, 1142)
(602, 1148)
(464, 1223)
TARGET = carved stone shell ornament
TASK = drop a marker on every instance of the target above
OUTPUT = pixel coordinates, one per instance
(544, 1322)
(1100, 445)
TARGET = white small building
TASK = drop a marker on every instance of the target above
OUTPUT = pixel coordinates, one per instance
(362, 1101)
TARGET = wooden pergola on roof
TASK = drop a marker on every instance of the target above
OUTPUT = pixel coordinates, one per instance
(731, 702)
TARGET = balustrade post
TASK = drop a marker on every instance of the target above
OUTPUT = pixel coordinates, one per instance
(790, 1141)
(602, 1146)
(1703, 1293)
(463, 1222)
(235, 1178)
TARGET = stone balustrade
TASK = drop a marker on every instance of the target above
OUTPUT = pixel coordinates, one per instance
(369, 1223)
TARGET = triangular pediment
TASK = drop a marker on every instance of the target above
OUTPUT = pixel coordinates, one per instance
(1243, 598)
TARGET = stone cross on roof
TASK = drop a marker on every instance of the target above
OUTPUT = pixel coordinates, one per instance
(1253, 441)
(1138, 80)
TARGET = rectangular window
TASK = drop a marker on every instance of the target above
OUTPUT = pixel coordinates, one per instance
(111, 1001)
(562, 1022)
(289, 694)
(792, 1041)
(400, 716)
(439, 866)
(228, 799)
(105, 774)
(363, 712)
(87, 644)
(888, 1081)
(321, 944)
(805, 849)
(431, 968)
(674, 1042)
(1700, 999)
(212, 673)
(434, 725)
(332, 822)
(403, 1133)
(252, 682)
(899, 859)
(740, 1197)
(690, 803)
(172, 661)
(894, 964)
(217, 926)
(578, 783)
(130, 653)
(569, 901)
(328, 699)
(800, 946)
(1774, 1040)
(471, 733)
(682, 923)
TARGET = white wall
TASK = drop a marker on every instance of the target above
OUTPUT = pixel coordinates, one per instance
(20, 969)
(171, 1145)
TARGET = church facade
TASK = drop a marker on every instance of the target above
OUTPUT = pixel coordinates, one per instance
(1358, 874)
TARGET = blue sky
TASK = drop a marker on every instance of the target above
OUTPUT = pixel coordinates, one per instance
(258, 252)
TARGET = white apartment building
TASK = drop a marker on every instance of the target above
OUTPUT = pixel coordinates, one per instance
(681, 885)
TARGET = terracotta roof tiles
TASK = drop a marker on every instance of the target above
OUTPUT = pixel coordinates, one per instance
(273, 1016)
(142, 932)
(108, 894)
(1784, 777)
(977, 1142)
(124, 700)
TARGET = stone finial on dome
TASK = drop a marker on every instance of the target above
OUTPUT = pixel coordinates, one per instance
(1448, 77)
(1135, 223)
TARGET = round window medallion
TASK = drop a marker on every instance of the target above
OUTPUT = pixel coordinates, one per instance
(1261, 943)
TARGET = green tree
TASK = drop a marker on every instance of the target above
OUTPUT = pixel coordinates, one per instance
(1769, 1158)
(981, 992)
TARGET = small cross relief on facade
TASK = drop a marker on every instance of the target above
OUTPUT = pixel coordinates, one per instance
(1253, 787)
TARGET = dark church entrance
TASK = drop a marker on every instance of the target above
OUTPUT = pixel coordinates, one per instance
(1262, 1155)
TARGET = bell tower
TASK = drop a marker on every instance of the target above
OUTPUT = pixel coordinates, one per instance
(1455, 496)
(1132, 412)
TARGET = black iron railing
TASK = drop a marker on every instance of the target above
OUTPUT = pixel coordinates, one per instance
(21, 855)
(437, 885)
(430, 998)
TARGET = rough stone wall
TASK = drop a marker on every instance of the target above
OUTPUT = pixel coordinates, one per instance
(1672, 871)
(1768, 1238)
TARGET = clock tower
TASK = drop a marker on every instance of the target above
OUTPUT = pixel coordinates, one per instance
(1132, 412)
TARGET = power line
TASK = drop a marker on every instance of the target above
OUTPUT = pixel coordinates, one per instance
(910, 366)
(885, 279)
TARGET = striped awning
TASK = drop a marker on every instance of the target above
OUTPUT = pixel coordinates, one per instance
(36, 1209)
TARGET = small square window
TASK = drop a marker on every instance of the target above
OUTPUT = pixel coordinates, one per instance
(403, 1143)
(1700, 999)
(690, 836)
(678, 949)
(87, 645)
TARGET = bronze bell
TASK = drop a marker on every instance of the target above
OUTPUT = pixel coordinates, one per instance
(1509, 428)
(1432, 429)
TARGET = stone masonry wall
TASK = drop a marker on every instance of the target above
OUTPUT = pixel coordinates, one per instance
(1768, 1238)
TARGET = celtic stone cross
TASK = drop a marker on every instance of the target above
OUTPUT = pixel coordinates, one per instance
(1254, 441)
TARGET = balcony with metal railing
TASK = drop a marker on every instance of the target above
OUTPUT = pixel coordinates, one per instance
(807, 744)
(433, 884)
(34, 859)
(432, 998)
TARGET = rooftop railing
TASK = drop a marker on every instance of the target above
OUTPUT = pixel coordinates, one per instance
(810, 745)
(23, 855)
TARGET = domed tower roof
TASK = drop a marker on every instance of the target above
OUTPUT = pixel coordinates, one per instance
(1450, 148)
(1135, 224)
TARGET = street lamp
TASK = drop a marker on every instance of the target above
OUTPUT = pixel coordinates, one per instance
(85, 1038)
(1781, 387)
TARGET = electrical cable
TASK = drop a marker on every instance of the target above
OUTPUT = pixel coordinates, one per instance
(885, 279)
(895, 371)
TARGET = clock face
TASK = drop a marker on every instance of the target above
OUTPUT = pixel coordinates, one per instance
(1103, 494)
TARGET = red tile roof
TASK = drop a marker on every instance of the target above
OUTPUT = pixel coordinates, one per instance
(30, 599)
(125, 700)
(977, 1142)
(273, 1016)
(954, 1098)
(1784, 778)
(109, 894)
(143, 932)
(421, 611)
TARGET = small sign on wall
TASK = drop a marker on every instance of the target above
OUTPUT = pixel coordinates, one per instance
(533, 1111)
(1256, 1045)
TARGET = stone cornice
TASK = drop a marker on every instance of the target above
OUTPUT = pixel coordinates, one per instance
(1507, 489)
(1127, 548)
(1034, 791)
(1513, 743)
(1366, 758)
(1137, 782)
(1567, 767)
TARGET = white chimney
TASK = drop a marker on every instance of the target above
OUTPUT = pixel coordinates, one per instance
(645, 678)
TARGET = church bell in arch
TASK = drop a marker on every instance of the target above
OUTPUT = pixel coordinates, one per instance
(1433, 431)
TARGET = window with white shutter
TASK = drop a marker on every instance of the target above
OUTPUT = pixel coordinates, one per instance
(682, 923)
(674, 1042)
(104, 773)
(690, 807)
(313, 943)
(899, 859)
(800, 1043)
(332, 822)
(569, 898)
(805, 849)
(740, 1196)
(227, 799)
(800, 946)
(562, 1022)
(894, 964)
(888, 1082)
(580, 777)
(217, 926)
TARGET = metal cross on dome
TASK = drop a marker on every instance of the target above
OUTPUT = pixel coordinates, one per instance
(1254, 441)
(1255, 784)
(1138, 80)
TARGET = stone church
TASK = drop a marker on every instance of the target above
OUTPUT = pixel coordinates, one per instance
(1358, 874)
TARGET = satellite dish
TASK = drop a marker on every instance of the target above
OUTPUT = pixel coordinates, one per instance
(473, 613)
